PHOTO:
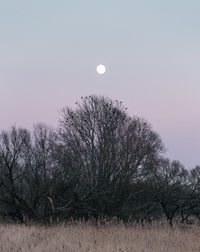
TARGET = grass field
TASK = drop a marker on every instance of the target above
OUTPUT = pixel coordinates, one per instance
(85, 237)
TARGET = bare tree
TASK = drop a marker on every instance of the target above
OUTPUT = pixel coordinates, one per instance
(102, 149)
(169, 180)
(13, 169)
(100, 162)
(27, 169)
(192, 206)
(41, 169)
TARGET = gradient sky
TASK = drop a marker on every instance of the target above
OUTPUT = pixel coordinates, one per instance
(49, 51)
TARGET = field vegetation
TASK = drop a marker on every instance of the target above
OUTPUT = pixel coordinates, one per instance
(110, 237)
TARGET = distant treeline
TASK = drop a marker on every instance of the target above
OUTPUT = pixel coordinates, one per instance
(98, 163)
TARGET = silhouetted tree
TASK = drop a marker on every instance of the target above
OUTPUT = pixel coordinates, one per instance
(169, 180)
(12, 170)
(100, 162)
(103, 150)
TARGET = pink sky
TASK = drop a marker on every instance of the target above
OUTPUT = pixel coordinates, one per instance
(49, 53)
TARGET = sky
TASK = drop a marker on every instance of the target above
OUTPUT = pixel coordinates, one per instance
(49, 51)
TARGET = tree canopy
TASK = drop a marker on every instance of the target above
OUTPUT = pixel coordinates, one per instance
(99, 162)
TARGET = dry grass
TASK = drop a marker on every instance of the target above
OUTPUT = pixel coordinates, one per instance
(85, 237)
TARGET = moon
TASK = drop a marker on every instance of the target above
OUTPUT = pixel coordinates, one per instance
(101, 69)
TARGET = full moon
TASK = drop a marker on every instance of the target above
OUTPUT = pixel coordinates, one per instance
(101, 69)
